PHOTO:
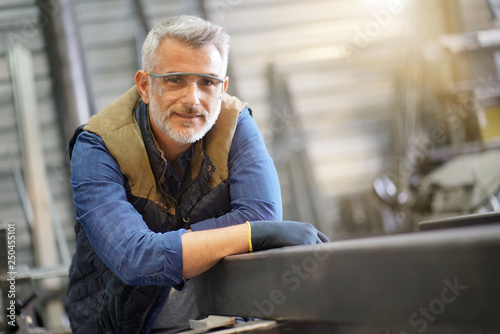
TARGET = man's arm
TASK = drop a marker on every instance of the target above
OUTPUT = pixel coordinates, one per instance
(201, 250)
(115, 229)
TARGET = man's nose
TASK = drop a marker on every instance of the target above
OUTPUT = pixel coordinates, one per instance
(191, 95)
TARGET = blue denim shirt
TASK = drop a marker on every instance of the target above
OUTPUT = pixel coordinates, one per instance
(117, 231)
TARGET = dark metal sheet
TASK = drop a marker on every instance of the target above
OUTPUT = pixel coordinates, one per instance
(413, 282)
(460, 221)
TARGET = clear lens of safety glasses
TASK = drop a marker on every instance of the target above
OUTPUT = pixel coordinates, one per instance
(176, 84)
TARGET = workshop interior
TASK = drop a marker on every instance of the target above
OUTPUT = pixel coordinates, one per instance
(383, 121)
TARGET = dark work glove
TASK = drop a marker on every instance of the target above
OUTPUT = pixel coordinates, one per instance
(112, 307)
(274, 234)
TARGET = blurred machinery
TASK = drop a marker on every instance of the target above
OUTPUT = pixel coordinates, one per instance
(450, 132)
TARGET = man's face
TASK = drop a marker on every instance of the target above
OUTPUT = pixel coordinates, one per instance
(188, 114)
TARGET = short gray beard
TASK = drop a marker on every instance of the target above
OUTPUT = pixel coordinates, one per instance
(186, 135)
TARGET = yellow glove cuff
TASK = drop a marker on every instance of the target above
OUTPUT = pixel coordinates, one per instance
(250, 249)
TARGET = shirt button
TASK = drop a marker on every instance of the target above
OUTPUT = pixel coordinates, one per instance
(209, 168)
(185, 219)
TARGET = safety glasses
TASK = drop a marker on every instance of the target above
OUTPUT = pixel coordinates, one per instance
(175, 85)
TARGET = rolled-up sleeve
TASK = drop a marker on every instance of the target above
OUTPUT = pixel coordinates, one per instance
(253, 181)
(115, 229)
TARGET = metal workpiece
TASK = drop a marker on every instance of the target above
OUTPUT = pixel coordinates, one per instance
(460, 221)
(444, 280)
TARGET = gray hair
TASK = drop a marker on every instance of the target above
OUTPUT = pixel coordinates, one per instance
(192, 30)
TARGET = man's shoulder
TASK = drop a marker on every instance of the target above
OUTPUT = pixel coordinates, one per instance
(116, 115)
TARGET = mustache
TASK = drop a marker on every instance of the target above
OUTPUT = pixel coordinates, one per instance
(183, 109)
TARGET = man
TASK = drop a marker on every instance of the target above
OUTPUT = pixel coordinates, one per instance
(168, 180)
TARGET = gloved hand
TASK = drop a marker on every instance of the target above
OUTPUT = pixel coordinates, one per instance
(274, 234)
(112, 306)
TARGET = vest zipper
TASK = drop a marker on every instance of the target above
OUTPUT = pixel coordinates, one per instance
(179, 196)
(175, 200)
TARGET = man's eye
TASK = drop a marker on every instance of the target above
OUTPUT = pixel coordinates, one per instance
(174, 80)
(206, 82)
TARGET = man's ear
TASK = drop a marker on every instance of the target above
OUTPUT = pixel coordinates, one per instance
(226, 83)
(141, 81)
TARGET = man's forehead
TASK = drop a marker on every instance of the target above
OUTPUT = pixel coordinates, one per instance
(176, 56)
